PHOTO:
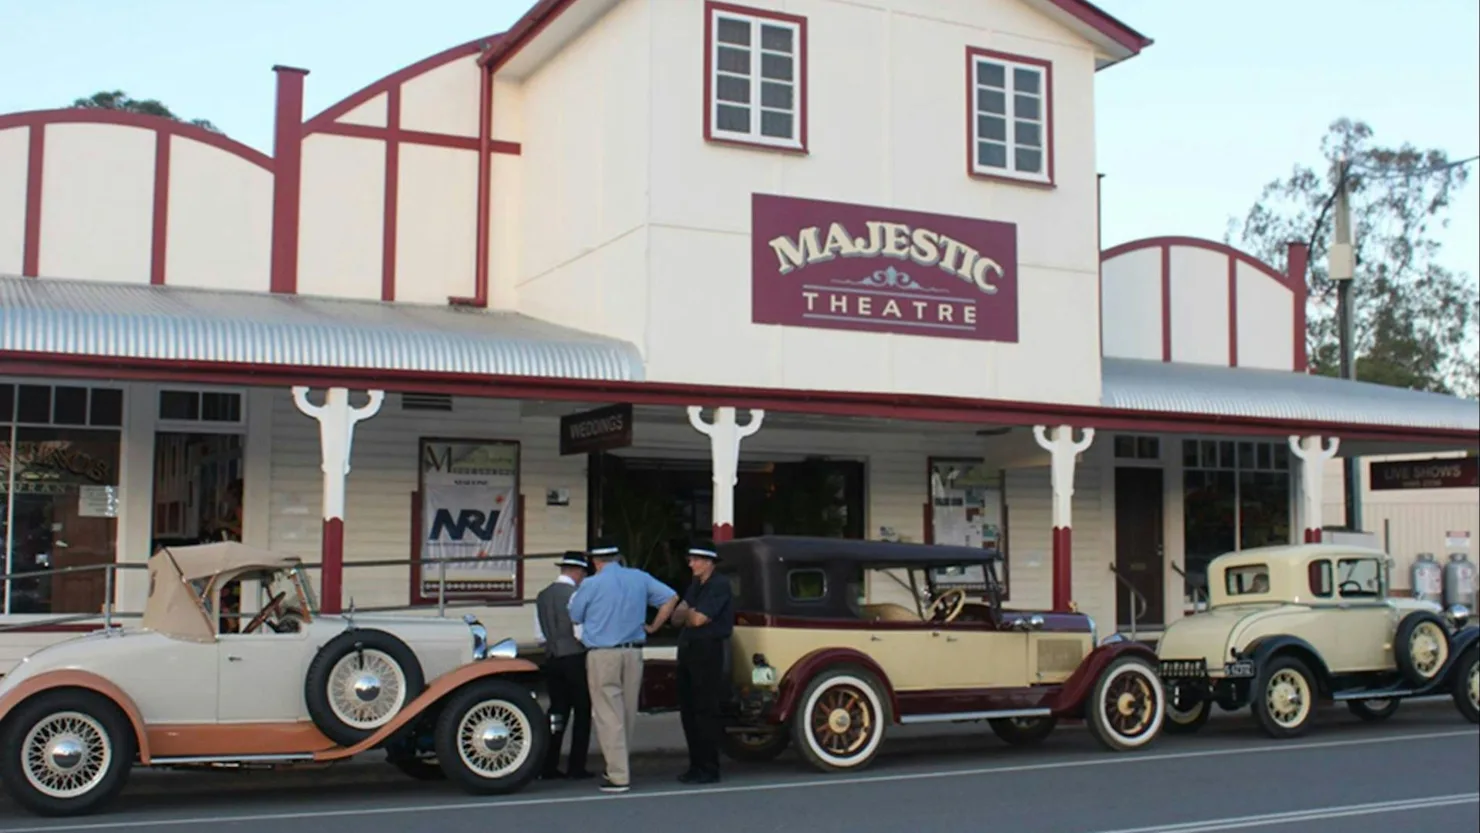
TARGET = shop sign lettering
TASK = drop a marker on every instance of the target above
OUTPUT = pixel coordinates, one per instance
(1435, 473)
(840, 266)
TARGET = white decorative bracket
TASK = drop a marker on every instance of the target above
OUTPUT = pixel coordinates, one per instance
(336, 437)
(725, 434)
(1313, 454)
(1064, 451)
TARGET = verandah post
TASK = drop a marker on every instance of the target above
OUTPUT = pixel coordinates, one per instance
(724, 435)
(1063, 451)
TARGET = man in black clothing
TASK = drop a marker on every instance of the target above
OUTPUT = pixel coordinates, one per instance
(565, 668)
(707, 618)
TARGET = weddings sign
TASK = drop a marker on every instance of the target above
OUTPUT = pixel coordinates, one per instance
(469, 518)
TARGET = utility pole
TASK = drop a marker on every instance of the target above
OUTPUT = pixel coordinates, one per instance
(1342, 271)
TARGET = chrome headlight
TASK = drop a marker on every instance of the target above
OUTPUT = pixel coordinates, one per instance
(1459, 614)
(1094, 630)
(504, 649)
(480, 636)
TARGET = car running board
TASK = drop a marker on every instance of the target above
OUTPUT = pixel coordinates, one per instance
(957, 717)
(232, 759)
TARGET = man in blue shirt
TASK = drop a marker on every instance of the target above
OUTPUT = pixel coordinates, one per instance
(611, 608)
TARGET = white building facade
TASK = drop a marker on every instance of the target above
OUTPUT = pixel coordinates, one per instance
(786, 240)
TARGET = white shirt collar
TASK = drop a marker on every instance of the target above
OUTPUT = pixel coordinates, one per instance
(565, 579)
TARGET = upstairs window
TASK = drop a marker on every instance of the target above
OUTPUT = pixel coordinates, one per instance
(1010, 105)
(755, 89)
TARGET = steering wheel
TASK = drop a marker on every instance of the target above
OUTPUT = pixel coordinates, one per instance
(264, 612)
(1356, 586)
(947, 606)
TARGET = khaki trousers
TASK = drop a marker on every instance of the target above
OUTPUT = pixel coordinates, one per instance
(614, 676)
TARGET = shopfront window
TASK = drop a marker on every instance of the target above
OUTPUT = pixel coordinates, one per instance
(1236, 495)
(59, 475)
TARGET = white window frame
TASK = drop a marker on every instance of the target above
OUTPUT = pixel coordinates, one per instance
(798, 113)
(1044, 71)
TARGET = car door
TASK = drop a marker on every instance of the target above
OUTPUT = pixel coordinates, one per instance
(1363, 620)
(260, 677)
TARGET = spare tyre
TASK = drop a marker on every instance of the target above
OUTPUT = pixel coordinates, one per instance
(1421, 647)
(358, 682)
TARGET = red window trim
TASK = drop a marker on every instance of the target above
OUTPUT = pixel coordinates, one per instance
(972, 54)
(710, 7)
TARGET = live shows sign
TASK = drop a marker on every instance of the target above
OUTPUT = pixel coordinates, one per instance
(1435, 473)
(851, 267)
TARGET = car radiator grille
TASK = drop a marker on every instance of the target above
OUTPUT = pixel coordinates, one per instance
(1058, 655)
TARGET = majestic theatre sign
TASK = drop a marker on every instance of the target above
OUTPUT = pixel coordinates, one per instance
(853, 267)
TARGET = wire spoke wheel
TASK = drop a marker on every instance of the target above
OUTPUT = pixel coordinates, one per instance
(366, 688)
(66, 755)
(493, 739)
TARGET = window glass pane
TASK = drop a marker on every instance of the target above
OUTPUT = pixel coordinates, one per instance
(991, 154)
(1028, 161)
(776, 125)
(1251, 579)
(1026, 107)
(1281, 456)
(1125, 447)
(1264, 509)
(776, 95)
(991, 101)
(1148, 448)
(1207, 454)
(990, 74)
(1225, 454)
(991, 127)
(776, 37)
(1357, 578)
(731, 30)
(732, 88)
(734, 60)
(179, 404)
(70, 406)
(735, 119)
(1207, 514)
(1264, 456)
(1246, 455)
(1318, 574)
(1027, 134)
(806, 585)
(106, 407)
(776, 66)
(34, 404)
(1026, 80)
(220, 407)
(7, 403)
(1189, 453)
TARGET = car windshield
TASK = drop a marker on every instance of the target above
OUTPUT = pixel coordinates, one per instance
(305, 587)
(1247, 580)
(1358, 577)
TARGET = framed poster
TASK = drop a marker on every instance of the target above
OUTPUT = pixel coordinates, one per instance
(467, 517)
(967, 508)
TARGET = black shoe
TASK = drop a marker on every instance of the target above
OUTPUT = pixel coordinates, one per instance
(607, 786)
(579, 775)
(703, 778)
(552, 775)
(687, 776)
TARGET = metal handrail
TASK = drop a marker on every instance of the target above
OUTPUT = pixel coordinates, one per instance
(1139, 602)
(1187, 584)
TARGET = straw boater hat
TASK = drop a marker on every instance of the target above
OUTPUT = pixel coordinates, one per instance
(704, 549)
(606, 548)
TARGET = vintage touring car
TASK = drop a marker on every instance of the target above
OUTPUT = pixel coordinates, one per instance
(291, 687)
(835, 641)
(1290, 627)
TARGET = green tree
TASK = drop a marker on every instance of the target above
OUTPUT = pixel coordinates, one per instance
(1415, 320)
(120, 100)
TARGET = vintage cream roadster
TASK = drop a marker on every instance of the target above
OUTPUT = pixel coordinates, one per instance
(1289, 627)
(835, 641)
(291, 687)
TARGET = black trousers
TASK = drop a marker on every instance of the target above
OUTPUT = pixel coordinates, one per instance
(701, 683)
(565, 678)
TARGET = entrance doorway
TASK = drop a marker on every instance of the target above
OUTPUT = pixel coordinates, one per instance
(198, 498)
(654, 507)
(1139, 551)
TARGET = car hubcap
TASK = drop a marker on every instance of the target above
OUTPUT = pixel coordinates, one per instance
(493, 739)
(1288, 698)
(1428, 649)
(841, 721)
(366, 689)
(66, 755)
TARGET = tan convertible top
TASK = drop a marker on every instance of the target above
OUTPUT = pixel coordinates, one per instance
(175, 607)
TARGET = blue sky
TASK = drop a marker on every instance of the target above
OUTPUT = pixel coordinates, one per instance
(1231, 95)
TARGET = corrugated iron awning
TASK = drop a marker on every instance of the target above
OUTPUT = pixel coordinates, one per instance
(1202, 390)
(86, 318)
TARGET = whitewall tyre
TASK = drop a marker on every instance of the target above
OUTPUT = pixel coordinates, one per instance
(1421, 647)
(1188, 720)
(358, 682)
(1284, 698)
(840, 720)
(491, 736)
(1126, 706)
(66, 753)
(1466, 690)
(1373, 711)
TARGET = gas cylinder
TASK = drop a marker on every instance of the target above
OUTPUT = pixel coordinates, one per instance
(1459, 581)
(1428, 578)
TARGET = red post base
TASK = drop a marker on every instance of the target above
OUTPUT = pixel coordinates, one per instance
(331, 573)
(1312, 536)
(1063, 567)
(722, 533)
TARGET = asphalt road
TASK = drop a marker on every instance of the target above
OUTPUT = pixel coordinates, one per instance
(1417, 773)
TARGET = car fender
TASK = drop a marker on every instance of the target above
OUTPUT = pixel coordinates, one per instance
(801, 672)
(77, 678)
(435, 692)
(1068, 701)
(1264, 648)
(1462, 641)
